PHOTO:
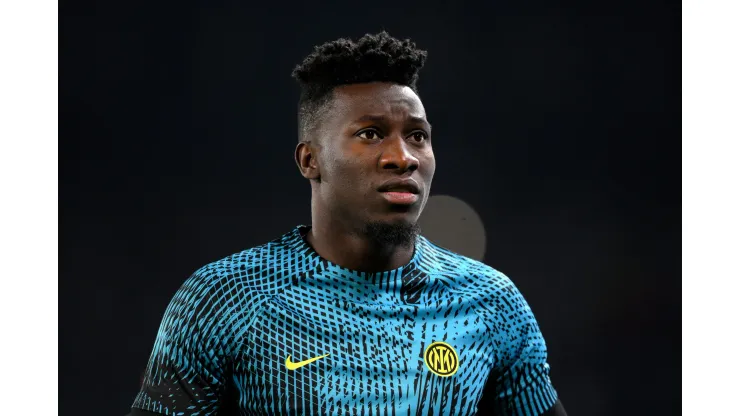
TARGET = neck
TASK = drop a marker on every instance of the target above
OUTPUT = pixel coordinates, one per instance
(352, 248)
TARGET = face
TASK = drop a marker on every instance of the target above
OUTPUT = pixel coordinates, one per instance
(373, 161)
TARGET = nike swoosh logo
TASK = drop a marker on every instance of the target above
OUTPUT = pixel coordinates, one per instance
(292, 366)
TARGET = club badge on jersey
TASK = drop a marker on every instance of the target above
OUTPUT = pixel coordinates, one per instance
(441, 359)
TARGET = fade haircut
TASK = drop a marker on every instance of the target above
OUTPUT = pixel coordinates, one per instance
(373, 58)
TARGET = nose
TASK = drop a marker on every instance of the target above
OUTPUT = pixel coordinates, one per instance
(396, 155)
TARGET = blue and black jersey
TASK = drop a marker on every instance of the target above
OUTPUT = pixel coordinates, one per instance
(277, 329)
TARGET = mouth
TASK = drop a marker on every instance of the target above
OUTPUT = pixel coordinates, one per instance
(400, 198)
(400, 191)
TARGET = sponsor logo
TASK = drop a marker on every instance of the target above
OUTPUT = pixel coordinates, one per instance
(294, 366)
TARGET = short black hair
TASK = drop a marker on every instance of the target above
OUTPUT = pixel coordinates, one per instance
(372, 58)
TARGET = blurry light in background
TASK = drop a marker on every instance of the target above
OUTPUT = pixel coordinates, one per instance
(453, 224)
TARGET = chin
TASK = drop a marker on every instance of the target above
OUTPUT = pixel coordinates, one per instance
(400, 218)
(399, 231)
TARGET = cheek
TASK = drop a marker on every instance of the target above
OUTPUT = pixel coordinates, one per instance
(332, 165)
(428, 168)
(345, 173)
(344, 163)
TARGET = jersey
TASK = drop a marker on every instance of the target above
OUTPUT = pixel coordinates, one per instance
(278, 330)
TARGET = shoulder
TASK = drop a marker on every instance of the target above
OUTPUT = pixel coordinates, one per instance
(463, 273)
(496, 295)
(237, 284)
(225, 295)
(259, 270)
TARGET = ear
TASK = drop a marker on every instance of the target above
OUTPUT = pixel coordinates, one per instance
(305, 158)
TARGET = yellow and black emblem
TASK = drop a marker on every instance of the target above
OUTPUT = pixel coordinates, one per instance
(441, 359)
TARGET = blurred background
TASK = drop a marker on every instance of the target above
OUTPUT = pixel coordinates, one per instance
(556, 128)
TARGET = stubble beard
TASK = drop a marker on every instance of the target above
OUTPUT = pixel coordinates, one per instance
(392, 234)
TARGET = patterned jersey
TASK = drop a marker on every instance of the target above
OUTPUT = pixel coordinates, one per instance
(277, 329)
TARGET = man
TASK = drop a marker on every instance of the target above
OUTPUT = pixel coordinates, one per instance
(358, 313)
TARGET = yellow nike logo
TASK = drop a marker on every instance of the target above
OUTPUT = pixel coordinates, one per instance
(292, 366)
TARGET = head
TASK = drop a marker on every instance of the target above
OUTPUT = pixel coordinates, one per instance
(363, 133)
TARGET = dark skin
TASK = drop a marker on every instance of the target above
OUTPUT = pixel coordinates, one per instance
(374, 132)
(349, 158)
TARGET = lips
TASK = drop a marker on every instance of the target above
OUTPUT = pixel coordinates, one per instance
(400, 191)
(400, 198)
(400, 185)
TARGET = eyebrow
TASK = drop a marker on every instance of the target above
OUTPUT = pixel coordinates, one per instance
(383, 119)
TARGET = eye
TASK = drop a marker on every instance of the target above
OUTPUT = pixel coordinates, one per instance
(370, 135)
(419, 136)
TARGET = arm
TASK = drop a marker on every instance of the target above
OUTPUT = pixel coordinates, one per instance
(555, 410)
(187, 368)
(521, 382)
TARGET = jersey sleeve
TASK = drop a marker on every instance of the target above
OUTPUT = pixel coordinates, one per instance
(188, 365)
(522, 380)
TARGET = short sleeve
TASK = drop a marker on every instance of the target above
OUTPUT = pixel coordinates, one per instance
(522, 381)
(188, 365)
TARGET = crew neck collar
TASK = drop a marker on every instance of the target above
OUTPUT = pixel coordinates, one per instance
(297, 240)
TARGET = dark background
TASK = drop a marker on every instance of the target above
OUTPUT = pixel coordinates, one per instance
(559, 124)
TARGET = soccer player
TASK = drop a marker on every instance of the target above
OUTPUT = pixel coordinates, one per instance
(358, 313)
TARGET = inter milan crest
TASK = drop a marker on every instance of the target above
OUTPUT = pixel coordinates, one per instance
(441, 359)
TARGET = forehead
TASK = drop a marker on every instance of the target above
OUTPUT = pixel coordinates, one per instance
(377, 98)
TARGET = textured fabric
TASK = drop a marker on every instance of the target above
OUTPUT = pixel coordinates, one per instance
(419, 340)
